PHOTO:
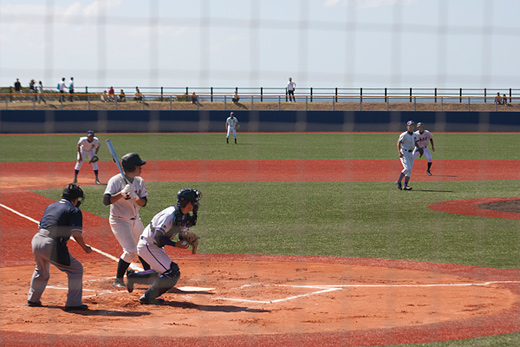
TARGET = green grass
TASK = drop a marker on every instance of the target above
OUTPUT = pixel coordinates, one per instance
(346, 219)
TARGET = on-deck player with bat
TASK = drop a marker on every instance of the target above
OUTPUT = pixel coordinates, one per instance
(126, 194)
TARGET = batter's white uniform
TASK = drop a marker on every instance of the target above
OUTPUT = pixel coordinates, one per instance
(87, 148)
(407, 141)
(165, 221)
(124, 215)
(423, 140)
(231, 126)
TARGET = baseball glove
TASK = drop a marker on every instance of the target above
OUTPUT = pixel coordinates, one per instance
(93, 159)
(191, 238)
(420, 150)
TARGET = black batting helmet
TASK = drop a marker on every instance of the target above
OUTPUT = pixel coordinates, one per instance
(188, 195)
(73, 191)
(130, 161)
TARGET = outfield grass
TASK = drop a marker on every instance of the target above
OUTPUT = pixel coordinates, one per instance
(346, 219)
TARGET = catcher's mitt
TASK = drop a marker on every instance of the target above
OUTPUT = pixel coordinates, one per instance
(191, 238)
(93, 159)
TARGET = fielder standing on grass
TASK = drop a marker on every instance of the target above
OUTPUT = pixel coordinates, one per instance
(125, 200)
(60, 221)
(406, 144)
(232, 125)
(173, 220)
(87, 146)
(424, 137)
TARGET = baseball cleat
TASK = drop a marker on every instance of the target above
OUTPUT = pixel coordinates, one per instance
(398, 185)
(97, 182)
(144, 300)
(129, 282)
(407, 188)
(119, 283)
(76, 308)
(428, 172)
(34, 303)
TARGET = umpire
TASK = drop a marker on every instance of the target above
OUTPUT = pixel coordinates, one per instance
(60, 220)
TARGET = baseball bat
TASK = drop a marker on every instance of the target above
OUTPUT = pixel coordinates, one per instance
(113, 153)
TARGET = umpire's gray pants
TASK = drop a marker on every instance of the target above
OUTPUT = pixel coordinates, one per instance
(42, 248)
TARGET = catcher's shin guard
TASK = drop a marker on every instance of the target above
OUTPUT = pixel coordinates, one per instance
(163, 283)
(143, 277)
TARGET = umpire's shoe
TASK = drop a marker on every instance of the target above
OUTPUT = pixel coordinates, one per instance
(147, 301)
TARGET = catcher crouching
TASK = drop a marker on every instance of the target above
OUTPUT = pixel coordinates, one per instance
(173, 220)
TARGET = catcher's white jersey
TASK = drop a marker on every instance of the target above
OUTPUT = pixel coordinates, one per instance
(88, 146)
(232, 122)
(126, 209)
(423, 138)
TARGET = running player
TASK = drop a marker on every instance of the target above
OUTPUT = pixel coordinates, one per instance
(424, 136)
(232, 125)
(125, 200)
(405, 146)
(87, 145)
(60, 221)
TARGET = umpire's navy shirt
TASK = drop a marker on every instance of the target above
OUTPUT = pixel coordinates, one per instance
(61, 218)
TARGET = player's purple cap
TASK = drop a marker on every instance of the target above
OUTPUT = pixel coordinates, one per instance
(231, 113)
(410, 122)
(90, 133)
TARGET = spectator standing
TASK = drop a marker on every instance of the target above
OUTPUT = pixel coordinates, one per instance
(17, 89)
(40, 93)
(291, 86)
(61, 88)
(111, 94)
(71, 89)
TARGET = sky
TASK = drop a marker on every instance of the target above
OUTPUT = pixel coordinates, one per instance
(261, 43)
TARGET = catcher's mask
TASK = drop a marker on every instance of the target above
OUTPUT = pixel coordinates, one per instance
(188, 195)
(130, 161)
(73, 191)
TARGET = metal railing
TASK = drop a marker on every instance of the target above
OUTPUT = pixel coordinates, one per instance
(370, 100)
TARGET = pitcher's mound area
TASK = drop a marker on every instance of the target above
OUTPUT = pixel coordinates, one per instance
(235, 298)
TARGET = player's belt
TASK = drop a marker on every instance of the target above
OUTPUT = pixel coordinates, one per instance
(407, 150)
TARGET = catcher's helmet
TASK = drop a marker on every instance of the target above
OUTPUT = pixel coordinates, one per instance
(188, 195)
(73, 191)
(130, 161)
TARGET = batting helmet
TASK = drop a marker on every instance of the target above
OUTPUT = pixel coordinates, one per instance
(130, 161)
(188, 195)
(73, 191)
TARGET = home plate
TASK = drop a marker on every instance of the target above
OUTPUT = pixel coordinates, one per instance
(194, 289)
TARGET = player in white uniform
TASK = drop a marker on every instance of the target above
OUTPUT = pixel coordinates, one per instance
(405, 147)
(159, 233)
(87, 146)
(232, 125)
(125, 200)
(424, 137)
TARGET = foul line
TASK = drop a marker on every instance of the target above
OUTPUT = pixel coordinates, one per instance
(110, 256)
(335, 287)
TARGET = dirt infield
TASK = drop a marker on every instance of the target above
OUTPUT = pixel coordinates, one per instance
(229, 300)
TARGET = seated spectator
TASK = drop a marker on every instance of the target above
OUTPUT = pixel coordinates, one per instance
(138, 97)
(235, 98)
(504, 100)
(111, 94)
(104, 97)
(498, 99)
(122, 96)
(195, 99)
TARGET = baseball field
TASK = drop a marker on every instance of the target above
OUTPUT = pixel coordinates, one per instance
(304, 240)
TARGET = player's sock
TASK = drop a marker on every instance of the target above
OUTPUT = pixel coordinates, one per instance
(122, 266)
(146, 266)
(429, 165)
(400, 177)
(406, 179)
(96, 173)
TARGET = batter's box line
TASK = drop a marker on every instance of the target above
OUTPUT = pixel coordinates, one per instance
(327, 288)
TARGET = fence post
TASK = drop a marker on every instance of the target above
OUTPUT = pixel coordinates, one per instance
(460, 96)
(386, 95)
(11, 94)
(162, 93)
(211, 92)
(415, 103)
(360, 95)
(261, 93)
(311, 94)
(86, 90)
(252, 102)
(336, 94)
(286, 92)
(410, 94)
(469, 103)
(186, 92)
(333, 104)
(279, 106)
(435, 95)
(225, 103)
(510, 95)
(485, 95)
